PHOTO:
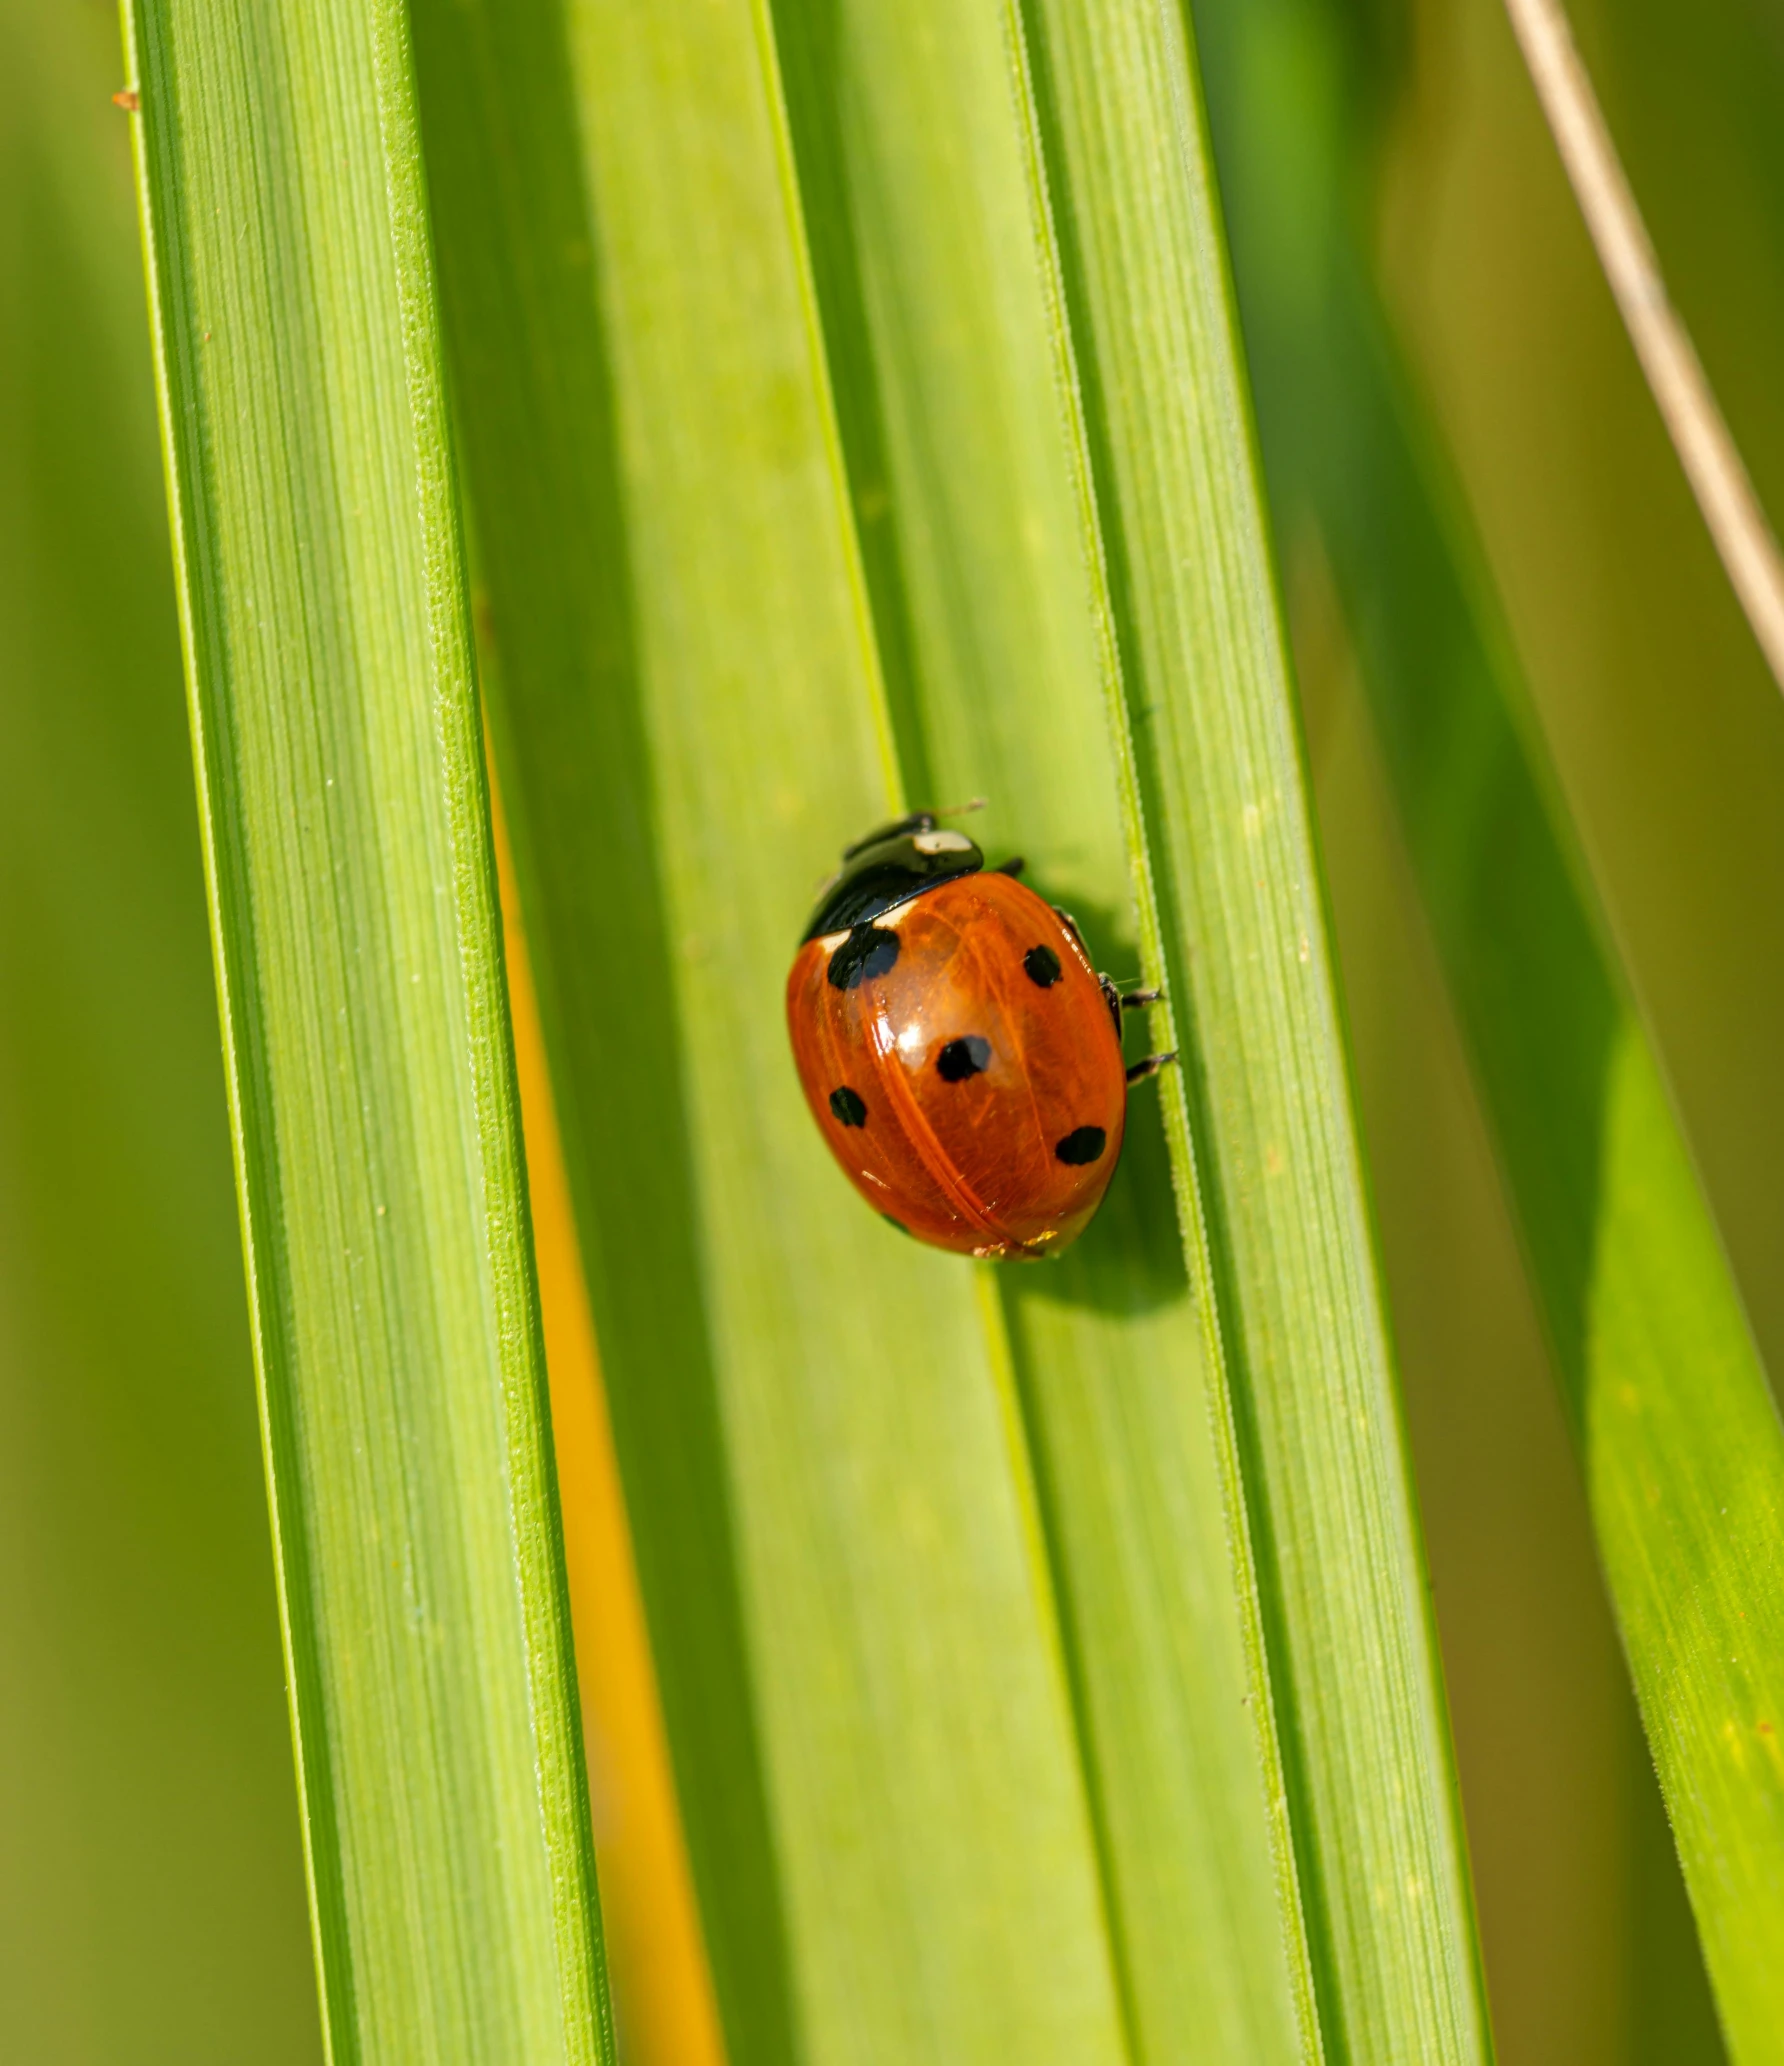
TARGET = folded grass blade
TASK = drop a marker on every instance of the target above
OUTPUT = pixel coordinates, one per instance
(934, 268)
(347, 842)
(1679, 1438)
(151, 1874)
(850, 1613)
(1210, 726)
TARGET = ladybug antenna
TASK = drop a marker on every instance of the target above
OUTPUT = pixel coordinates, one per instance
(960, 810)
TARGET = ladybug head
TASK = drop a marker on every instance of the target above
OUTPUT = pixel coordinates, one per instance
(890, 867)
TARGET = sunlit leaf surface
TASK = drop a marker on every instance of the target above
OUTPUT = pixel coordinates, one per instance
(343, 807)
(1678, 1434)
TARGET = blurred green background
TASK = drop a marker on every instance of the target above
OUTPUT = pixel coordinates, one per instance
(151, 1901)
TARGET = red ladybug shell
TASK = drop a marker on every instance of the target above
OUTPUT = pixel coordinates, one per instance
(960, 1057)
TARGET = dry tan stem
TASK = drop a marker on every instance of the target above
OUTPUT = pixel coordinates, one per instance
(1699, 434)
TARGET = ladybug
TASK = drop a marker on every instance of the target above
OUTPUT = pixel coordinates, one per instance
(959, 1052)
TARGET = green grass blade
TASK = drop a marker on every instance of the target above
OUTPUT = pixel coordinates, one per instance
(151, 1877)
(1679, 1438)
(1244, 956)
(850, 1609)
(347, 842)
(934, 271)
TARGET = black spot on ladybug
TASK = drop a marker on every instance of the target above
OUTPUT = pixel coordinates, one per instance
(1042, 966)
(848, 1106)
(869, 950)
(899, 1224)
(1082, 1144)
(963, 1058)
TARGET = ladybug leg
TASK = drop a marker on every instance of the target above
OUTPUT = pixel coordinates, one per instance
(1149, 1067)
(1013, 866)
(1135, 998)
(1111, 997)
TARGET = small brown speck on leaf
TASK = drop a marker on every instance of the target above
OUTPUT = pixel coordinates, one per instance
(128, 99)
